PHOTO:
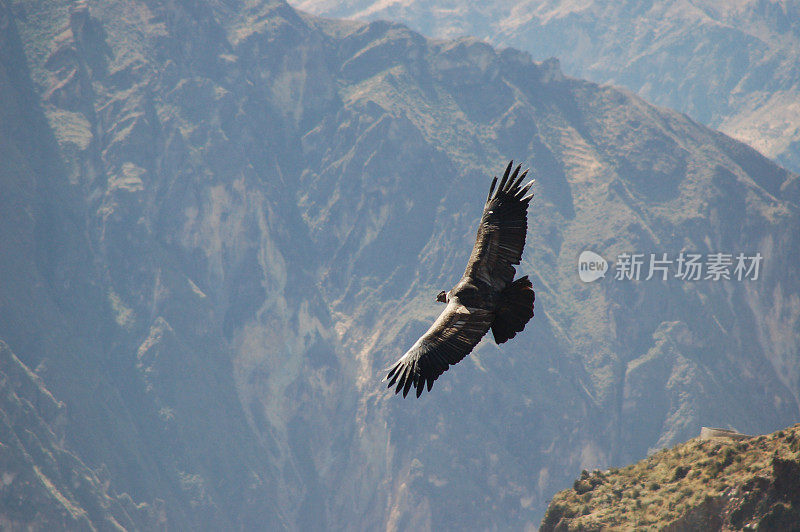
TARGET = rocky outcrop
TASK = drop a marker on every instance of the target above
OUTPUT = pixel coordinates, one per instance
(700, 485)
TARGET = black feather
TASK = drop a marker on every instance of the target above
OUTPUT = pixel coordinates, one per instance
(513, 178)
(491, 189)
(392, 381)
(519, 180)
(505, 177)
(524, 189)
(407, 386)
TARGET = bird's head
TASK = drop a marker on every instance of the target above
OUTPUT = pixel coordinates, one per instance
(442, 297)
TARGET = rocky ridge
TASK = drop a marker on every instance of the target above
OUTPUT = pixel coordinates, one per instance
(716, 484)
(731, 65)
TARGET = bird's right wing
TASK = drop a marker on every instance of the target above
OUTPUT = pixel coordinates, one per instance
(452, 336)
(501, 234)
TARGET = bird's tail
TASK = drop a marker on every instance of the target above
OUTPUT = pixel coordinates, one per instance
(514, 311)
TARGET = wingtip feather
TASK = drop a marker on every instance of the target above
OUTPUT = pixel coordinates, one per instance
(512, 179)
(519, 180)
(402, 380)
(407, 385)
(505, 176)
(524, 190)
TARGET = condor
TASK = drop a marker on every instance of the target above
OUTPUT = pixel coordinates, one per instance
(486, 297)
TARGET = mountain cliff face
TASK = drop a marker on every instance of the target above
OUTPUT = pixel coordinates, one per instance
(161, 439)
(43, 484)
(732, 65)
(225, 219)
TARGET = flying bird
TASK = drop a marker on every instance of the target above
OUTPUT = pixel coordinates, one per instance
(486, 297)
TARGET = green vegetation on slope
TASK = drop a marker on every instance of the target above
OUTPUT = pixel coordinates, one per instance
(701, 484)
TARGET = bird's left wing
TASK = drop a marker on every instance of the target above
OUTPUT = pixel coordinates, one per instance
(452, 336)
(501, 233)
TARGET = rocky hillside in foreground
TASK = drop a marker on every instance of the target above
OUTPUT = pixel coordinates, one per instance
(713, 484)
(732, 65)
(222, 220)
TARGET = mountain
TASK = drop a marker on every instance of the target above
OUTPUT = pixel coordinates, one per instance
(223, 220)
(704, 484)
(734, 66)
(44, 484)
(137, 407)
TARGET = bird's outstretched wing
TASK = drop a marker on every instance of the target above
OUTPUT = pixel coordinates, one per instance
(451, 337)
(501, 234)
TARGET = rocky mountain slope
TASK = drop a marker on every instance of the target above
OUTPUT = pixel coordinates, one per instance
(43, 484)
(222, 220)
(732, 65)
(715, 484)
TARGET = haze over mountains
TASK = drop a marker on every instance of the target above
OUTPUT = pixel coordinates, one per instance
(221, 221)
(734, 66)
